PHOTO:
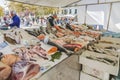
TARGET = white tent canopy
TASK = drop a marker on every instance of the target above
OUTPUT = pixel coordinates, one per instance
(98, 12)
(51, 3)
(93, 12)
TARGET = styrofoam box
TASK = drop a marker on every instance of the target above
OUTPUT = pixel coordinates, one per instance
(101, 66)
(84, 76)
(96, 73)
(93, 71)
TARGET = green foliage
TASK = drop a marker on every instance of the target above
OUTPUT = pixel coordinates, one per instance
(57, 55)
(38, 10)
(1, 11)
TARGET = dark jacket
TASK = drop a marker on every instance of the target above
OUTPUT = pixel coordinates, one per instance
(51, 20)
(16, 22)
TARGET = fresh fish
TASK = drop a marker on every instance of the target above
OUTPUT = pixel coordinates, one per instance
(110, 47)
(60, 48)
(72, 46)
(31, 33)
(68, 26)
(104, 60)
(35, 32)
(42, 30)
(10, 40)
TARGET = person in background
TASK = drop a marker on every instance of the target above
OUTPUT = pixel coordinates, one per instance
(51, 20)
(15, 20)
(51, 23)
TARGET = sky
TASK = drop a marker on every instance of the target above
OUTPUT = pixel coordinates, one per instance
(2, 3)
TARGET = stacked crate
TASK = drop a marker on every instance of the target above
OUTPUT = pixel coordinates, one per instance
(97, 70)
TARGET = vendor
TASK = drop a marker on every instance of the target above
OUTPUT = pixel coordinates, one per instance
(51, 20)
(15, 20)
(51, 23)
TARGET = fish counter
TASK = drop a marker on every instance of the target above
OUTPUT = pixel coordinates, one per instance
(23, 56)
(27, 54)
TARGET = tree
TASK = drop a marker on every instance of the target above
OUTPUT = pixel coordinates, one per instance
(38, 10)
(1, 11)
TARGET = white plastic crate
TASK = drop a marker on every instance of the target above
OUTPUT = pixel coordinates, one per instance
(110, 69)
(84, 76)
(96, 73)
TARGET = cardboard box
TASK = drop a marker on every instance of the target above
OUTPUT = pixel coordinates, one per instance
(84, 76)
(98, 65)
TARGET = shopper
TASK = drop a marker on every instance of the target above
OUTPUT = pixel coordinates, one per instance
(15, 20)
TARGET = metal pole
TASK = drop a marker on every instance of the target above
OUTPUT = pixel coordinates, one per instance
(85, 14)
(109, 16)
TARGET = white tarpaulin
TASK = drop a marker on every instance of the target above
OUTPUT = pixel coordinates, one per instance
(98, 14)
(112, 0)
(114, 24)
(81, 14)
(87, 2)
(51, 3)
(103, 1)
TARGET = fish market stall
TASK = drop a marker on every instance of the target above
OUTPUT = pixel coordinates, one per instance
(30, 56)
(35, 51)
(25, 55)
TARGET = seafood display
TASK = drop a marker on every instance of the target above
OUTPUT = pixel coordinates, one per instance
(25, 55)
(19, 36)
(52, 50)
(72, 47)
(112, 51)
(60, 48)
(28, 54)
(74, 33)
(103, 59)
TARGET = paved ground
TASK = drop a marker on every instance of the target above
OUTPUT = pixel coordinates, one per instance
(66, 70)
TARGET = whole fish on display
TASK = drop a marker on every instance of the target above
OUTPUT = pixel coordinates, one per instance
(103, 59)
(10, 40)
(36, 31)
(72, 46)
(60, 48)
(42, 30)
(110, 47)
(31, 33)
(68, 26)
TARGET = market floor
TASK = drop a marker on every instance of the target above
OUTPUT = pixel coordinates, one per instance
(69, 69)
